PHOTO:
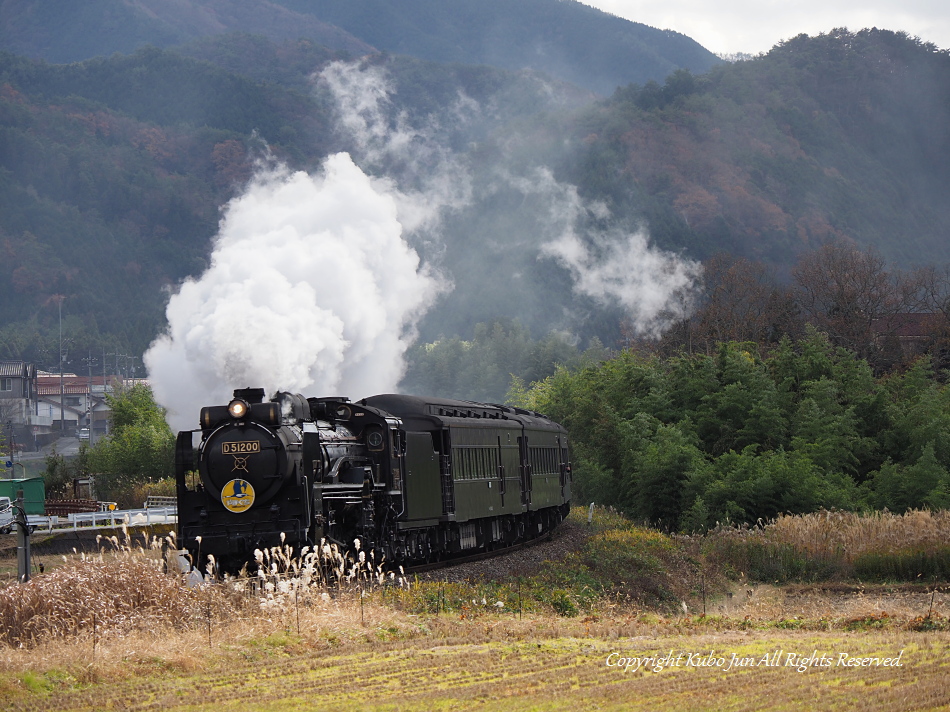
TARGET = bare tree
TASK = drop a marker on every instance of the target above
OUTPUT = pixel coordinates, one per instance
(851, 295)
(739, 300)
(846, 292)
(931, 289)
(743, 302)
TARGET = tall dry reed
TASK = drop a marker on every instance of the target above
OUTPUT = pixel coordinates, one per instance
(838, 545)
(853, 534)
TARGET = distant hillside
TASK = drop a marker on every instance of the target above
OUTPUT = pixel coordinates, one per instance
(111, 176)
(844, 135)
(64, 31)
(113, 170)
(562, 38)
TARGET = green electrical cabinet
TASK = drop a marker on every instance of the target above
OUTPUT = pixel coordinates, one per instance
(32, 490)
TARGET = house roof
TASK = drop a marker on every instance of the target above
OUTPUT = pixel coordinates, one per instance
(17, 369)
(48, 384)
(52, 389)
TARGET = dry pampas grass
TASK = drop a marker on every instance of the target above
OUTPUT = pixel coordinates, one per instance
(854, 534)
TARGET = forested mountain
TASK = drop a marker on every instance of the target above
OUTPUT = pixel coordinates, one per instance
(844, 135)
(62, 31)
(563, 38)
(840, 137)
(112, 174)
(113, 171)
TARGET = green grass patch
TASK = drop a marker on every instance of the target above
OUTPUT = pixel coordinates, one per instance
(47, 681)
(36, 682)
(778, 562)
(903, 565)
(618, 562)
(872, 622)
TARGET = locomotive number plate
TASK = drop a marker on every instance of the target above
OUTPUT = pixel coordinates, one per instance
(241, 447)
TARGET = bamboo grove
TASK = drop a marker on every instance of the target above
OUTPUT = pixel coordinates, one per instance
(748, 432)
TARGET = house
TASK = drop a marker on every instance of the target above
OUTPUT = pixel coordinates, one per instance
(75, 402)
(19, 413)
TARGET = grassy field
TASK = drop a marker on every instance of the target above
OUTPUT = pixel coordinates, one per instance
(113, 632)
(393, 662)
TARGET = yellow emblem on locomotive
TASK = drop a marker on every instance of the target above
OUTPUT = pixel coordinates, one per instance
(237, 496)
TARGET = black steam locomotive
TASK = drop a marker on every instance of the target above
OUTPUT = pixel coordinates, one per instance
(413, 479)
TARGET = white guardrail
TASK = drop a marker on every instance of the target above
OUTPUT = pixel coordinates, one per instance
(105, 520)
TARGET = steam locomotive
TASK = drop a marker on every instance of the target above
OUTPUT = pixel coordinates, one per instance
(414, 479)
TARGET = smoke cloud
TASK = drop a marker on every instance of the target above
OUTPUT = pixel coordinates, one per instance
(316, 283)
(311, 288)
(560, 259)
(653, 287)
(413, 162)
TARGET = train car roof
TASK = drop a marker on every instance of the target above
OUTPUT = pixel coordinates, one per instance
(420, 412)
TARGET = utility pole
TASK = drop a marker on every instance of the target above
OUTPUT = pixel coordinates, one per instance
(11, 448)
(126, 358)
(23, 542)
(114, 374)
(62, 389)
(90, 362)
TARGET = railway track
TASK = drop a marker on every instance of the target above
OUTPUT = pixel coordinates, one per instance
(481, 556)
(523, 560)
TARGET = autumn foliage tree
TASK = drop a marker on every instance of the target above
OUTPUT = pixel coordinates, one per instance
(741, 300)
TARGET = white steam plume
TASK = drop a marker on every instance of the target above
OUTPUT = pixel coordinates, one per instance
(313, 285)
(423, 174)
(311, 288)
(611, 266)
(654, 287)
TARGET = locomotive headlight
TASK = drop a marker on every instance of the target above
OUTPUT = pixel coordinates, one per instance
(237, 408)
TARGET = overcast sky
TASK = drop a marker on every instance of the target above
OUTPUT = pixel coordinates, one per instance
(754, 26)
